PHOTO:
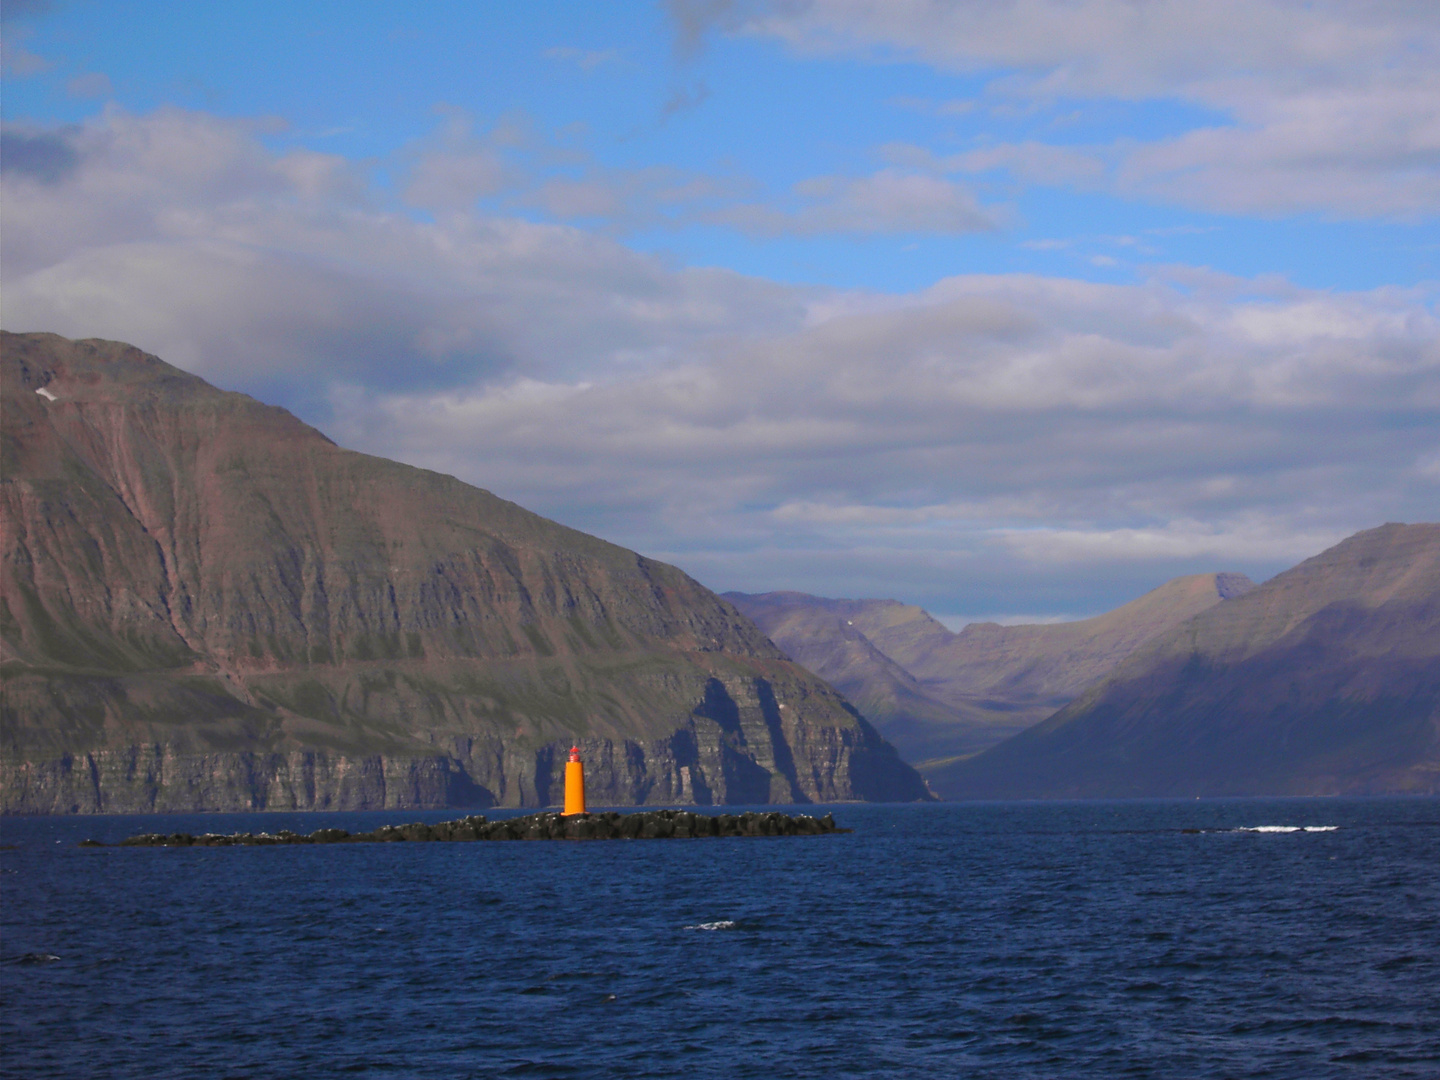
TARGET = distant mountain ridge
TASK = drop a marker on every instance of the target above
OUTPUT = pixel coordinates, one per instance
(1324, 680)
(938, 694)
(816, 633)
(208, 605)
(1049, 663)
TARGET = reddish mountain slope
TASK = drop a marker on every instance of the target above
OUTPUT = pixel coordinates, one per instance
(209, 605)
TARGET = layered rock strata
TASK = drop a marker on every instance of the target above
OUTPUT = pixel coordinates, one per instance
(207, 605)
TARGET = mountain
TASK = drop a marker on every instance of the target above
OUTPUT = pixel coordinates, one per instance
(821, 635)
(1325, 680)
(208, 605)
(938, 695)
(1039, 664)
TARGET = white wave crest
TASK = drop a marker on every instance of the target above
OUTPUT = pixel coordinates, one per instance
(1288, 828)
(723, 924)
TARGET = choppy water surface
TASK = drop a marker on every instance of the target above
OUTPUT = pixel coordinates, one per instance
(1020, 940)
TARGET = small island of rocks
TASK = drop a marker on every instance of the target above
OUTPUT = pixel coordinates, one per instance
(547, 825)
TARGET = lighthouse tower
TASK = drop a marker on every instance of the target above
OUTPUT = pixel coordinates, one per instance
(574, 783)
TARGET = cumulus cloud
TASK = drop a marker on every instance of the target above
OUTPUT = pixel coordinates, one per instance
(886, 202)
(514, 168)
(453, 169)
(1328, 106)
(1248, 538)
(15, 59)
(991, 443)
(1372, 151)
(1121, 48)
(930, 107)
(627, 199)
(1031, 161)
(993, 431)
(182, 233)
(40, 155)
(90, 84)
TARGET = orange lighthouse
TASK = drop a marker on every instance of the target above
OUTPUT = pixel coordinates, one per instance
(574, 783)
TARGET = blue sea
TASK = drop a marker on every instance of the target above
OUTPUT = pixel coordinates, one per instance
(1286, 938)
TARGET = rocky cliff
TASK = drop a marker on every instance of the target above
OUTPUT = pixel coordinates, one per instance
(1324, 680)
(208, 605)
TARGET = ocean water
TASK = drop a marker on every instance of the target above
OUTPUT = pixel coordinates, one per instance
(991, 940)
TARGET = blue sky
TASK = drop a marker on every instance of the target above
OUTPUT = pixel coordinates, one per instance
(367, 80)
(1003, 308)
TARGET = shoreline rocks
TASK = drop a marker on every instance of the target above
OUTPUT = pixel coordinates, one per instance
(547, 825)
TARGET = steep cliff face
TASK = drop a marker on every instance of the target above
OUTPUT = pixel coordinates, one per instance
(208, 605)
(1324, 680)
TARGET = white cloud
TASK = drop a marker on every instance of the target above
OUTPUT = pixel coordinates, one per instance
(933, 445)
(1328, 105)
(1352, 151)
(1030, 161)
(929, 107)
(454, 169)
(15, 59)
(622, 199)
(1251, 538)
(91, 84)
(1427, 465)
(514, 167)
(180, 232)
(1123, 48)
(986, 421)
(886, 202)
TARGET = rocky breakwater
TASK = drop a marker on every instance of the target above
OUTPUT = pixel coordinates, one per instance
(646, 825)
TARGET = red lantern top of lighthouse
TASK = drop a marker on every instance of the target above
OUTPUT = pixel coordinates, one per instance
(574, 753)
